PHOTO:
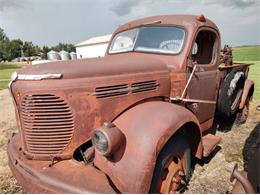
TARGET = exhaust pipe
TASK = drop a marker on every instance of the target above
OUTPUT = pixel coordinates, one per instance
(236, 174)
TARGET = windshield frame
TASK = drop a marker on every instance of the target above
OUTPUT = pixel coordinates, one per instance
(124, 51)
(149, 52)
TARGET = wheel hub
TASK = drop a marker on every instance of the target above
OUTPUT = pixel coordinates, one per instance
(173, 176)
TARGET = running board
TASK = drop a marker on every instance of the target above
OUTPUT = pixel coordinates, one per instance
(209, 143)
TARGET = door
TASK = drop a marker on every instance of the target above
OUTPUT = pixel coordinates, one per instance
(203, 85)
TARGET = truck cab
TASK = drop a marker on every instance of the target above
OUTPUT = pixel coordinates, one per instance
(179, 47)
(129, 122)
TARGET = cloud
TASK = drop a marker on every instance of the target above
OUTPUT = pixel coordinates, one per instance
(123, 8)
(234, 3)
(48, 22)
(6, 4)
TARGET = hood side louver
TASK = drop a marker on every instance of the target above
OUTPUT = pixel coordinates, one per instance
(117, 90)
(110, 91)
(144, 86)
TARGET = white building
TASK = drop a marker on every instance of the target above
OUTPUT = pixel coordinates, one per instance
(93, 47)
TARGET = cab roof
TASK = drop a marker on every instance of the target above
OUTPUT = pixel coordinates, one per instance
(190, 22)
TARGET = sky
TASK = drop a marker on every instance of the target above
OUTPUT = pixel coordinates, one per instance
(48, 22)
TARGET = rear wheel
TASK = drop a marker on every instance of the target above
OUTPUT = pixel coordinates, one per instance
(230, 93)
(172, 169)
(242, 115)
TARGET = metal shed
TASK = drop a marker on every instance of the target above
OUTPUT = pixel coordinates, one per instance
(93, 47)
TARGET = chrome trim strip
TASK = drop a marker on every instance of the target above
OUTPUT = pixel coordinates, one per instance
(38, 76)
(13, 78)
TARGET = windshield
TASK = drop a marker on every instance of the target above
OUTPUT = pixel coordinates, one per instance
(154, 39)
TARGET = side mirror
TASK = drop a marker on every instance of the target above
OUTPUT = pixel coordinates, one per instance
(194, 49)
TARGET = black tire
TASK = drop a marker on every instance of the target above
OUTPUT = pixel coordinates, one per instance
(242, 114)
(176, 145)
(228, 100)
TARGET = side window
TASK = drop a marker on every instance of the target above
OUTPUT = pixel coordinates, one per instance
(204, 47)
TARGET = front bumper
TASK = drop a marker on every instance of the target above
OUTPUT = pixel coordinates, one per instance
(65, 176)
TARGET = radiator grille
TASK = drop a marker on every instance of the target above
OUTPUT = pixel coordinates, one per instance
(47, 122)
(144, 86)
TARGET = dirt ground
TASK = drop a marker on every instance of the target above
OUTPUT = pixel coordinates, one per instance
(8, 183)
(237, 146)
(210, 175)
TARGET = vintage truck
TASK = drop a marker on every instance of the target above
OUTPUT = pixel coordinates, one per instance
(129, 122)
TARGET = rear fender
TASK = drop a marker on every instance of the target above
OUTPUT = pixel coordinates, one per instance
(247, 92)
(147, 127)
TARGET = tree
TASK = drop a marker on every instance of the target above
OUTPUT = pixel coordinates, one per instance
(45, 50)
(31, 50)
(16, 48)
(2, 35)
(5, 50)
(10, 49)
(64, 46)
(4, 45)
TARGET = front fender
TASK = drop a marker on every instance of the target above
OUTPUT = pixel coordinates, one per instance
(147, 127)
(248, 90)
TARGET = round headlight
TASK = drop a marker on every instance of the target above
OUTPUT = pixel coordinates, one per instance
(107, 139)
(100, 142)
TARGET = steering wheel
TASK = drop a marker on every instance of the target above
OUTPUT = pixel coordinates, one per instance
(170, 45)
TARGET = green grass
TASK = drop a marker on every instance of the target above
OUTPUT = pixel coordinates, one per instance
(250, 54)
(247, 53)
(254, 75)
(5, 72)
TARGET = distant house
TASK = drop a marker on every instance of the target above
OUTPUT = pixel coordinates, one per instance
(93, 47)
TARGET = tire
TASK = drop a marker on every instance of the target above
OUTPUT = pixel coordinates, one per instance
(230, 93)
(242, 114)
(177, 145)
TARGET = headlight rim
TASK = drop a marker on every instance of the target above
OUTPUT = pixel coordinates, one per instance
(114, 136)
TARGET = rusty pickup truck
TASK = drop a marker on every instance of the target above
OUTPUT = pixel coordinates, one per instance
(129, 122)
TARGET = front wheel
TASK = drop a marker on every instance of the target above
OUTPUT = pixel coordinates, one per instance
(172, 169)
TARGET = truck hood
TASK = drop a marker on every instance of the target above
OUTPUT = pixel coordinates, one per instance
(127, 63)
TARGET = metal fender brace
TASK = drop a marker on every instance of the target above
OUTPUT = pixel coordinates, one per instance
(182, 99)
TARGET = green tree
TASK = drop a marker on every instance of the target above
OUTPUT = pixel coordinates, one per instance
(4, 45)
(5, 50)
(64, 46)
(10, 49)
(45, 50)
(31, 50)
(16, 48)
(2, 35)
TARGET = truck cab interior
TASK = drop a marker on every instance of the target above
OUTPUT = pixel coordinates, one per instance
(204, 48)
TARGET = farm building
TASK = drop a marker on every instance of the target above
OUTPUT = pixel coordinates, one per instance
(93, 47)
